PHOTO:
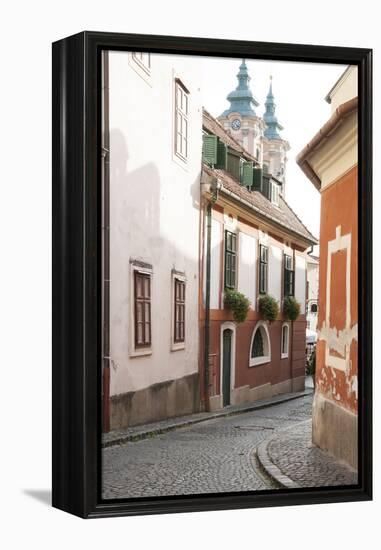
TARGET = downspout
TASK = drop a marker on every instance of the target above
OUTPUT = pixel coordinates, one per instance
(207, 304)
(105, 151)
(215, 186)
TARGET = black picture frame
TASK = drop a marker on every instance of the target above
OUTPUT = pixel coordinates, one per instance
(76, 272)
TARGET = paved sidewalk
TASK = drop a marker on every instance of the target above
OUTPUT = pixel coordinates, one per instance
(292, 461)
(135, 433)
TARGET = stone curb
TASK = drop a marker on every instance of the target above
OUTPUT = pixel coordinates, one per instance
(268, 465)
(144, 434)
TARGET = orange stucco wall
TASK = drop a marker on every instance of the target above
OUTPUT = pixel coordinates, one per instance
(339, 208)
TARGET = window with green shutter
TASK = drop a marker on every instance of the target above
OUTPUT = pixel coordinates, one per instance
(289, 276)
(222, 155)
(233, 164)
(263, 268)
(209, 149)
(247, 174)
(230, 259)
(257, 179)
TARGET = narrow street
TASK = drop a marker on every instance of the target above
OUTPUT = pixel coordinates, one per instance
(214, 456)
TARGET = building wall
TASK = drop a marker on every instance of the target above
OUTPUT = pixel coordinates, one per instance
(249, 383)
(335, 409)
(336, 401)
(154, 211)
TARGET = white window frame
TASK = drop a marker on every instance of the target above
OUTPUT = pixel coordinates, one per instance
(136, 60)
(284, 354)
(143, 59)
(176, 346)
(181, 109)
(275, 192)
(255, 361)
(133, 351)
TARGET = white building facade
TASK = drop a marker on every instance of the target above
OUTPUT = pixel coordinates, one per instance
(153, 121)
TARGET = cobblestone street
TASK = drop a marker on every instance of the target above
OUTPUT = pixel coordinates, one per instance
(217, 455)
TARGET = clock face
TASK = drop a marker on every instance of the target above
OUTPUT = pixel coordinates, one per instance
(236, 124)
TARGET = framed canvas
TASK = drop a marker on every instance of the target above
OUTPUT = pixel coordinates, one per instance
(212, 281)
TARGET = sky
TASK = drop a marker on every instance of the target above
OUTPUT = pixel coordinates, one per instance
(299, 90)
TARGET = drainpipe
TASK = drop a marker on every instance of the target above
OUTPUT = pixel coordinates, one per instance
(207, 304)
(105, 151)
(215, 186)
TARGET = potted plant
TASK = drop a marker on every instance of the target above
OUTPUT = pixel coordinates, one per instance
(268, 307)
(291, 308)
(238, 303)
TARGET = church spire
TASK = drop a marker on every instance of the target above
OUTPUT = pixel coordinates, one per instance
(241, 99)
(269, 116)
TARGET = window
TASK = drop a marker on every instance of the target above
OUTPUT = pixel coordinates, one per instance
(314, 308)
(179, 312)
(285, 340)
(275, 189)
(263, 268)
(288, 276)
(181, 121)
(143, 60)
(260, 345)
(142, 316)
(230, 259)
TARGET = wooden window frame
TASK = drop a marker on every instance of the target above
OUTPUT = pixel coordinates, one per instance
(145, 300)
(178, 343)
(230, 253)
(284, 354)
(134, 349)
(264, 263)
(182, 116)
(286, 291)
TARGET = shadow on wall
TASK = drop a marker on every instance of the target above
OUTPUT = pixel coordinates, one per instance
(138, 200)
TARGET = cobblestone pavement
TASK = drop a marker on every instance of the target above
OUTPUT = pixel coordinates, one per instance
(295, 456)
(213, 456)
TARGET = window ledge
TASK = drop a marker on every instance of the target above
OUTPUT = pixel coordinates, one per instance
(284, 355)
(178, 346)
(140, 352)
(259, 361)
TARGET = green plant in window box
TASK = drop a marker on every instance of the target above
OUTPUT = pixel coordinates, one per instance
(291, 308)
(268, 307)
(237, 303)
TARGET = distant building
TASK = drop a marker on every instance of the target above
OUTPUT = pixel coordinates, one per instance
(258, 135)
(330, 162)
(312, 291)
(257, 246)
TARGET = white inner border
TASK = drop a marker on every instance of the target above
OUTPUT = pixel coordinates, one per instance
(228, 325)
(254, 361)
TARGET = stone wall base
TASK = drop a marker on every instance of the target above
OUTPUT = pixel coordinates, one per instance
(334, 429)
(157, 402)
(245, 394)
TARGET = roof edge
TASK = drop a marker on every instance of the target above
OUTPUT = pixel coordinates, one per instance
(342, 111)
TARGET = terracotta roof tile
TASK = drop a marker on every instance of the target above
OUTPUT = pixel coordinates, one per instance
(282, 215)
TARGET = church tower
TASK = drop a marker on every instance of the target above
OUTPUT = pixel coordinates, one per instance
(274, 146)
(240, 120)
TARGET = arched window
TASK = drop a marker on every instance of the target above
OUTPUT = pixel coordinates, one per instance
(260, 349)
(285, 341)
(314, 308)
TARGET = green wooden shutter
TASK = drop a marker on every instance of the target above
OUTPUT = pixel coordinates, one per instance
(233, 165)
(209, 149)
(257, 179)
(247, 174)
(222, 155)
(266, 187)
